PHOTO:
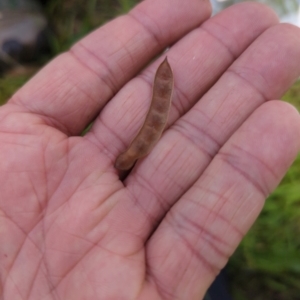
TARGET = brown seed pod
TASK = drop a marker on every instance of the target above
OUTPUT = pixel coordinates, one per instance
(155, 121)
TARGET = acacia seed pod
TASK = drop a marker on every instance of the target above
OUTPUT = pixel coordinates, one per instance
(155, 121)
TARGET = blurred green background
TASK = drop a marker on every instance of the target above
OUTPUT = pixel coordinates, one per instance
(267, 263)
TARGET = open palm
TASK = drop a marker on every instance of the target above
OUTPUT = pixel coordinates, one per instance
(71, 229)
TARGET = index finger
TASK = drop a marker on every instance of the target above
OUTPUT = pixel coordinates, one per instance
(72, 89)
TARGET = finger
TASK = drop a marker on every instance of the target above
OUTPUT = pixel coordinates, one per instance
(197, 62)
(203, 229)
(71, 90)
(187, 148)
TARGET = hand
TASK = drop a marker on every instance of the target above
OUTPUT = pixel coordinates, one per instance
(70, 229)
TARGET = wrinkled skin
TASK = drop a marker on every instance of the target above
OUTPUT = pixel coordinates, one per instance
(71, 229)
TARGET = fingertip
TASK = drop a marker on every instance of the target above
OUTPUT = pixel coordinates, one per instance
(284, 119)
(292, 116)
(257, 10)
(243, 23)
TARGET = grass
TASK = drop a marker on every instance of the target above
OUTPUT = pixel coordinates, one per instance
(267, 263)
(9, 84)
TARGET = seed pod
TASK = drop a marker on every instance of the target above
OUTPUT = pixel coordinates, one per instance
(155, 121)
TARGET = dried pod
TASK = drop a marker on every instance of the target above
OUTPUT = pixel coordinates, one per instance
(155, 121)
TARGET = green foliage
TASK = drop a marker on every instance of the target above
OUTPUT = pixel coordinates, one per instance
(9, 84)
(73, 19)
(126, 5)
(293, 95)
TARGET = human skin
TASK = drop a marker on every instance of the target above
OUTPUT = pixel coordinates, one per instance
(71, 229)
